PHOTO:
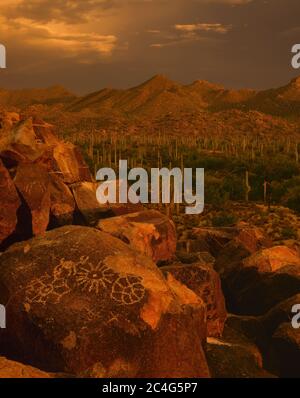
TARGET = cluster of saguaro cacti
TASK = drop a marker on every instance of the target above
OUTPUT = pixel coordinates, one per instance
(105, 149)
(141, 146)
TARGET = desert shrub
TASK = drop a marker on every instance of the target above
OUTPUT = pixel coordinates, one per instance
(224, 220)
(292, 198)
(215, 194)
(289, 233)
(234, 186)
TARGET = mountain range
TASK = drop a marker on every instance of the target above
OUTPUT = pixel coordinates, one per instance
(159, 96)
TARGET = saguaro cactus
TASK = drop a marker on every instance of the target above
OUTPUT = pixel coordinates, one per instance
(247, 185)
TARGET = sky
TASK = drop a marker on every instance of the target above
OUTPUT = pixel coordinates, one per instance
(86, 45)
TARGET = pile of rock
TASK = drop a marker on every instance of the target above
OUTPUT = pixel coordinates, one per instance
(102, 290)
(89, 300)
(261, 284)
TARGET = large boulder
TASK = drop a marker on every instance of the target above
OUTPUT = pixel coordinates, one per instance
(213, 239)
(33, 184)
(252, 238)
(70, 163)
(273, 333)
(234, 356)
(245, 242)
(205, 282)
(9, 203)
(8, 119)
(62, 203)
(262, 280)
(14, 370)
(285, 350)
(81, 301)
(34, 141)
(273, 259)
(88, 207)
(20, 144)
(279, 314)
(148, 232)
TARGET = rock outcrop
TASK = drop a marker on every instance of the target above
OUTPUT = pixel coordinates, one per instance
(33, 184)
(9, 203)
(148, 232)
(205, 283)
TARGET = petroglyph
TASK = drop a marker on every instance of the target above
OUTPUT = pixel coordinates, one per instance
(93, 277)
(128, 290)
(89, 278)
(46, 289)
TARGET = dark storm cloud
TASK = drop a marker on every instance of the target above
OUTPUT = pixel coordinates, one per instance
(88, 44)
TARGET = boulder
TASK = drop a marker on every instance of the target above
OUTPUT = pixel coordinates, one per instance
(20, 144)
(249, 292)
(214, 239)
(86, 202)
(33, 184)
(205, 282)
(9, 203)
(274, 335)
(273, 259)
(262, 280)
(279, 314)
(70, 163)
(8, 119)
(285, 351)
(148, 232)
(14, 370)
(62, 203)
(245, 243)
(252, 327)
(81, 301)
(118, 209)
(252, 238)
(234, 356)
(34, 141)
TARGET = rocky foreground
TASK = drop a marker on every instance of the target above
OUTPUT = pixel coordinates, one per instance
(102, 291)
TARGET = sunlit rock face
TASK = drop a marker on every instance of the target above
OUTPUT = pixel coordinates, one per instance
(148, 232)
(81, 301)
(34, 141)
(15, 370)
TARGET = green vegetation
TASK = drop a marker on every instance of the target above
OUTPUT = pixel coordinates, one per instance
(243, 169)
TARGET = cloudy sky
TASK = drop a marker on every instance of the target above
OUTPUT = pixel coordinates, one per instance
(88, 44)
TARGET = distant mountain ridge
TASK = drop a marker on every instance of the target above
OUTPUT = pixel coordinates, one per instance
(159, 96)
(26, 97)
